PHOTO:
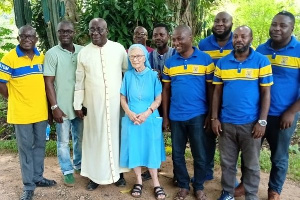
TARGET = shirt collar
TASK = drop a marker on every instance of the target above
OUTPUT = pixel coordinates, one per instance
(215, 42)
(248, 58)
(60, 47)
(20, 53)
(292, 44)
(195, 54)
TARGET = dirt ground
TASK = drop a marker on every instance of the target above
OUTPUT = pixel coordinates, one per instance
(11, 184)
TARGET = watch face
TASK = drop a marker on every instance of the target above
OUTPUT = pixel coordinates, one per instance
(262, 122)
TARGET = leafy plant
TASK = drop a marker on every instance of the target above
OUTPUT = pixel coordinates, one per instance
(5, 34)
(122, 17)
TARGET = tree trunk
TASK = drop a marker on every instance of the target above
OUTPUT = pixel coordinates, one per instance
(182, 11)
(71, 13)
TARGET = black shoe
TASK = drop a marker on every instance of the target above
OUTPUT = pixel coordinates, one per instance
(92, 185)
(146, 176)
(27, 195)
(121, 182)
(45, 183)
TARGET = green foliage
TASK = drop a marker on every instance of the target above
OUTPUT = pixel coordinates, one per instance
(294, 149)
(258, 15)
(265, 163)
(6, 130)
(6, 6)
(5, 34)
(51, 149)
(122, 17)
(9, 146)
(39, 24)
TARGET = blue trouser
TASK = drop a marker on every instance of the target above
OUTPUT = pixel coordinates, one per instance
(210, 153)
(31, 140)
(279, 141)
(63, 149)
(183, 131)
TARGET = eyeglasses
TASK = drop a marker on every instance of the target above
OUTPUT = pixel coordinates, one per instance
(68, 32)
(140, 34)
(138, 57)
(24, 37)
(98, 30)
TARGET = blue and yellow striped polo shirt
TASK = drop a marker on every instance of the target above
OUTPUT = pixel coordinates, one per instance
(286, 71)
(188, 77)
(241, 86)
(210, 46)
(27, 102)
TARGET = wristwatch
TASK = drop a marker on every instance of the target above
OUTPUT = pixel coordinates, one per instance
(262, 122)
(54, 107)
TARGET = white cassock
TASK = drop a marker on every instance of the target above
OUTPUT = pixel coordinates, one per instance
(98, 82)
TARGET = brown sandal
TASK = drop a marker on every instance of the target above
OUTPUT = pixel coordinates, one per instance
(181, 194)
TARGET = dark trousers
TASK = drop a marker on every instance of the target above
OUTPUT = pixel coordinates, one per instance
(31, 140)
(183, 131)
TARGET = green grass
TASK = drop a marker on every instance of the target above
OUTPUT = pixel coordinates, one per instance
(10, 146)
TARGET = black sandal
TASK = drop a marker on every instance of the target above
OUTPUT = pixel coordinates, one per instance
(137, 188)
(159, 191)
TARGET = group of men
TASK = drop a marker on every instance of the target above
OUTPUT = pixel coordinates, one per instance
(225, 87)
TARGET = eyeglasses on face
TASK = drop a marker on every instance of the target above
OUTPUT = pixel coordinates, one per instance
(98, 30)
(138, 57)
(68, 32)
(140, 34)
(24, 37)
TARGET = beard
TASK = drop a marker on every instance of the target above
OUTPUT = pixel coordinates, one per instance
(243, 49)
(222, 35)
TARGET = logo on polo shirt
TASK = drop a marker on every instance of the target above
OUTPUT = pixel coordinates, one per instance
(195, 69)
(249, 73)
(284, 60)
(40, 67)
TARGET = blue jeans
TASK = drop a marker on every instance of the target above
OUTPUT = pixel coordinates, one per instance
(279, 141)
(183, 131)
(63, 149)
(210, 153)
(31, 140)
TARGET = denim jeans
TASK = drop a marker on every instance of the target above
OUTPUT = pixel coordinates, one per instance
(63, 149)
(183, 131)
(279, 141)
(210, 153)
(31, 140)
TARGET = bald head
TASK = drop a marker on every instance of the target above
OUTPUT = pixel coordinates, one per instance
(224, 15)
(98, 31)
(98, 21)
(65, 23)
(182, 40)
(245, 29)
(140, 35)
(184, 29)
(222, 26)
(242, 38)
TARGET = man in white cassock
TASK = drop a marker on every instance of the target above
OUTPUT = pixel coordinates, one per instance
(98, 81)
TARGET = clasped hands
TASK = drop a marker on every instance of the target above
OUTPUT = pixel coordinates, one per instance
(138, 119)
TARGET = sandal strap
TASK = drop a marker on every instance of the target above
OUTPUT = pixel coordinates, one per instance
(159, 191)
(137, 188)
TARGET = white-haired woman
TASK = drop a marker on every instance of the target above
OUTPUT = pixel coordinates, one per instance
(141, 136)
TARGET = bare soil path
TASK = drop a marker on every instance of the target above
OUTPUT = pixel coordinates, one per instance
(11, 184)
